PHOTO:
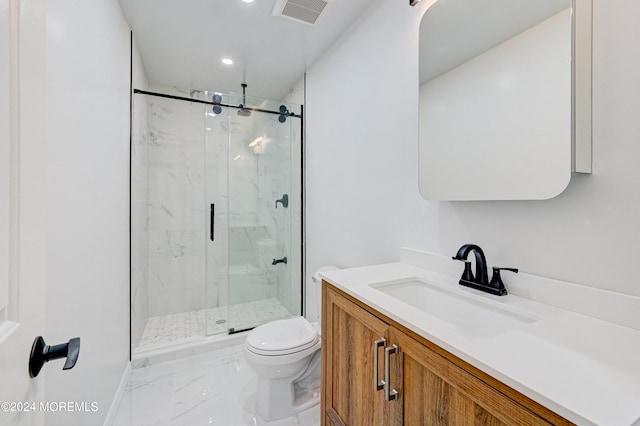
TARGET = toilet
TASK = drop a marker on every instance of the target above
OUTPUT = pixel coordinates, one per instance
(286, 356)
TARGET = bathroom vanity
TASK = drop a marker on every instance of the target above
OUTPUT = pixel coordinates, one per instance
(389, 359)
(432, 385)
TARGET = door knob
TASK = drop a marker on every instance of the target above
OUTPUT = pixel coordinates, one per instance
(42, 353)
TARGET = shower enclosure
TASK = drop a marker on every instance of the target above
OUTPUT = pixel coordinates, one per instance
(216, 215)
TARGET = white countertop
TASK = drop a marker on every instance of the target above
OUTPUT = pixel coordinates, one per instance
(583, 368)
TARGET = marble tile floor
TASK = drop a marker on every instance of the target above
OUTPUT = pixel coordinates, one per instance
(215, 388)
(163, 330)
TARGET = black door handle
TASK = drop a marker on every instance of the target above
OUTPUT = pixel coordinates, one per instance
(212, 221)
(42, 353)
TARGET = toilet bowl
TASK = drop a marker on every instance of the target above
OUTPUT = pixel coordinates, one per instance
(286, 356)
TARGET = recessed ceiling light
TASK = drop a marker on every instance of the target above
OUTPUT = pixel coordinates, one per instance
(227, 61)
(248, 1)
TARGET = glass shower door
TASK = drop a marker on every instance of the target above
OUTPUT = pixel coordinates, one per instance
(216, 215)
(260, 209)
(254, 256)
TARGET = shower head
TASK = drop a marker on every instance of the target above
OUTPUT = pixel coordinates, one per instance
(244, 112)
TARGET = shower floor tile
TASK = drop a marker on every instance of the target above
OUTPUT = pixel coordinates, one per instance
(185, 326)
(215, 388)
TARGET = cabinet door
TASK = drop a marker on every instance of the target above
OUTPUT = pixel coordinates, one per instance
(435, 391)
(348, 333)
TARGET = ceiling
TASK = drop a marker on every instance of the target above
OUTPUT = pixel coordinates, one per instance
(182, 42)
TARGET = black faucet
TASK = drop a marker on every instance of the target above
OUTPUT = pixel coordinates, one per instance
(276, 261)
(480, 280)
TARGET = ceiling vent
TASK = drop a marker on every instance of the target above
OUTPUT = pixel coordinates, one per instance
(306, 11)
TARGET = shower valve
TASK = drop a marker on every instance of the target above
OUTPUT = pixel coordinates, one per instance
(276, 261)
(284, 201)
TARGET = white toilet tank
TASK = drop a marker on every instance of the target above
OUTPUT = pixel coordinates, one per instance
(317, 280)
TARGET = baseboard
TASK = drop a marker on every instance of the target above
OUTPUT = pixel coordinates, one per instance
(115, 404)
(196, 346)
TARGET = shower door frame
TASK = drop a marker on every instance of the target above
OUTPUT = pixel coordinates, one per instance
(302, 248)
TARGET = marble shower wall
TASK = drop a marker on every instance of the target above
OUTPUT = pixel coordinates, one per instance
(139, 205)
(176, 204)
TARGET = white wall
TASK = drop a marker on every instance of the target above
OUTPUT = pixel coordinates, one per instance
(5, 154)
(362, 170)
(87, 121)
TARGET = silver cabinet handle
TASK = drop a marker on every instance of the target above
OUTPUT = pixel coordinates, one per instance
(392, 394)
(377, 385)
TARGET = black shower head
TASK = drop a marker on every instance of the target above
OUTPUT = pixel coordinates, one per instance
(243, 112)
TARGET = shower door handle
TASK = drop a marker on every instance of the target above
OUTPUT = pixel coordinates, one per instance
(212, 222)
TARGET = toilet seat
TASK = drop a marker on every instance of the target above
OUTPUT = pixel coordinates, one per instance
(282, 337)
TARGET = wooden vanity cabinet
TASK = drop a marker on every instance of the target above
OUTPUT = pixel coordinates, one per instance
(434, 387)
(348, 394)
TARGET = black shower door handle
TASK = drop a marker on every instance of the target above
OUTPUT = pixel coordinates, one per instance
(212, 221)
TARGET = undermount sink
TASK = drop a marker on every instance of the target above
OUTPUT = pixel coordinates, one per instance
(471, 315)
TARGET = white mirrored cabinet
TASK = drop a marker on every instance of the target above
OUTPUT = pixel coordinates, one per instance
(504, 101)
